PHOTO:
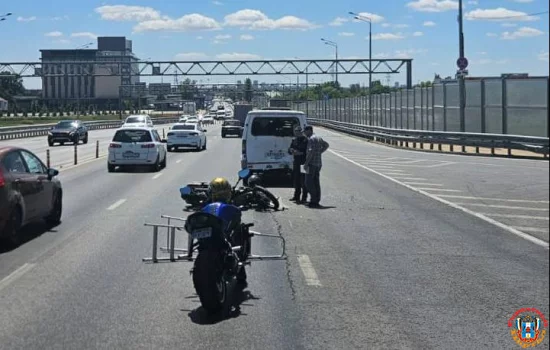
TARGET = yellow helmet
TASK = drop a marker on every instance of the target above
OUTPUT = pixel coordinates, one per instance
(220, 190)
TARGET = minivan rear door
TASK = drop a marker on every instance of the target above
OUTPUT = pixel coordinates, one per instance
(131, 142)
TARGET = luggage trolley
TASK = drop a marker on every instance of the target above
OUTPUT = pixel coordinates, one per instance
(187, 254)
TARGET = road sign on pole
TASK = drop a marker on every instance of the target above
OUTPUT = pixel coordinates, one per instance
(462, 63)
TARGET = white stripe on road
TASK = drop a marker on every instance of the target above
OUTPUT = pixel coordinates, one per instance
(6, 281)
(532, 229)
(157, 176)
(422, 184)
(116, 204)
(495, 199)
(178, 161)
(405, 178)
(437, 189)
(486, 218)
(502, 206)
(529, 217)
(308, 271)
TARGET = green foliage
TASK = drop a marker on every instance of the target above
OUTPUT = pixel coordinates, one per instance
(10, 85)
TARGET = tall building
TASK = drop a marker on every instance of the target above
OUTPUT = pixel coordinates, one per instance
(80, 85)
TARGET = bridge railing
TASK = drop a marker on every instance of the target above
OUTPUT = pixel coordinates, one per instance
(493, 105)
(18, 132)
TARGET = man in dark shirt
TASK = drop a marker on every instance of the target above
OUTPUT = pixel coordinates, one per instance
(298, 149)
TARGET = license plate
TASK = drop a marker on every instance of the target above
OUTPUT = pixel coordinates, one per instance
(274, 155)
(202, 233)
(130, 154)
(182, 135)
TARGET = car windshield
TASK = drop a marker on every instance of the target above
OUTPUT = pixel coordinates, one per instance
(135, 120)
(274, 126)
(132, 136)
(183, 127)
(68, 124)
(232, 123)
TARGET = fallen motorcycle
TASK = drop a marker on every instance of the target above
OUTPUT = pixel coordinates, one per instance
(196, 194)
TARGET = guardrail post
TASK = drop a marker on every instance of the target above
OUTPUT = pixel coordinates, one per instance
(75, 154)
(163, 135)
(48, 158)
(97, 149)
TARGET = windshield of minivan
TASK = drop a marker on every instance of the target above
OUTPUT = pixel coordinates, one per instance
(183, 127)
(135, 120)
(132, 136)
(274, 126)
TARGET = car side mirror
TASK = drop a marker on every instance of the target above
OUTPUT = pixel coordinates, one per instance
(52, 173)
(163, 141)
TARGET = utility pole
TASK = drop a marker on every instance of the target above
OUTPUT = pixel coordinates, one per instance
(462, 64)
(369, 21)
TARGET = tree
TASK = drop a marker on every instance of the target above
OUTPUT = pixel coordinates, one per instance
(248, 90)
(10, 85)
(188, 89)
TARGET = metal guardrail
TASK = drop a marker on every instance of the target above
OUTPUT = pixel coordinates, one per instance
(402, 137)
(18, 132)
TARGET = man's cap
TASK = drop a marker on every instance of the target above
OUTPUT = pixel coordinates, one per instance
(308, 127)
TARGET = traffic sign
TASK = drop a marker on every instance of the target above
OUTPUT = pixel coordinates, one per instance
(462, 63)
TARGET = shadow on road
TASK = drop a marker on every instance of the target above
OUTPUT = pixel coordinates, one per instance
(27, 234)
(231, 310)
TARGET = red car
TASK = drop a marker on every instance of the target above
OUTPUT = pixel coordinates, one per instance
(29, 192)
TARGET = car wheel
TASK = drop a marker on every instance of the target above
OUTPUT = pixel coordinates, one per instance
(111, 167)
(13, 227)
(204, 146)
(169, 149)
(50, 143)
(163, 165)
(157, 166)
(85, 141)
(54, 218)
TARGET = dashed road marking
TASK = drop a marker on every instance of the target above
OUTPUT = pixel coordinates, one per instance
(502, 206)
(6, 281)
(529, 217)
(481, 216)
(495, 199)
(116, 204)
(532, 229)
(308, 271)
(437, 189)
(178, 161)
(407, 178)
(157, 176)
(422, 184)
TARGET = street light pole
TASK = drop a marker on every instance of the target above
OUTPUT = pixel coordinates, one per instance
(369, 21)
(461, 82)
(335, 45)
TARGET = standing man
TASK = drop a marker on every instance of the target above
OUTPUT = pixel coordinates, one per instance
(316, 146)
(298, 149)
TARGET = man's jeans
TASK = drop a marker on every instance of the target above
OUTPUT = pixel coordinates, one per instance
(299, 182)
(313, 184)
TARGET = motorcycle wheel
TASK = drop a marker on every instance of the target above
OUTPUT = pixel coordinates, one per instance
(272, 199)
(209, 281)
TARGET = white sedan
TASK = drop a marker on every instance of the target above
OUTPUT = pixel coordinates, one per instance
(136, 146)
(186, 135)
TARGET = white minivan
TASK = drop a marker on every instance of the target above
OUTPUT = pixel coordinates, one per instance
(267, 135)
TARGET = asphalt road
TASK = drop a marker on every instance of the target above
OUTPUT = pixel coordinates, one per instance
(64, 156)
(380, 267)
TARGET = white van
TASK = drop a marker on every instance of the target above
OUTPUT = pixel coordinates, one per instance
(267, 135)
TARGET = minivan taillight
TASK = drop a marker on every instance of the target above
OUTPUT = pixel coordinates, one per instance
(2, 178)
(244, 147)
(149, 145)
(115, 145)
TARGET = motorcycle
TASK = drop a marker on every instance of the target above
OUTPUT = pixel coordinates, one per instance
(222, 254)
(253, 195)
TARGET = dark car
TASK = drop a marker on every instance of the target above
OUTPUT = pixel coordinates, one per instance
(29, 191)
(232, 127)
(68, 131)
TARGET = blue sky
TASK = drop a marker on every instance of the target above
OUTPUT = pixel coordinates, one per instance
(499, 35)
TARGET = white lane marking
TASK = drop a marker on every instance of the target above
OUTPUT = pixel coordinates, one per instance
(437, 189)
(410, 178)
(116, 204)
(308, 271)
(529, 217)
(178, 161)
(495, 199)
(532, 229)
(290, 223)
(157, 176)
(422, 184)
(394, 173)
(510, 229)
(6, 281)
(502, 206)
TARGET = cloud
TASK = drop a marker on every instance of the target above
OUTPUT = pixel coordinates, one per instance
(429, 24)
(59, 18)
(257, 20)
(338, 21)
(127, 13)
(523, 32)
(26, 19)
(372, 16)
(346, 34)
(54, 34)
(217, 3)
(397, 26)
(473, 2)
(191, 56)
(237, 56)
(84, 35)
(222, 37)
(418, 34)
(543, 56)
(247, 37)
(187, 23)
(499, 14)
(433, 5)
(387, 36)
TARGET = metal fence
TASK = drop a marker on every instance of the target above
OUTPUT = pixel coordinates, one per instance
(493, 105)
